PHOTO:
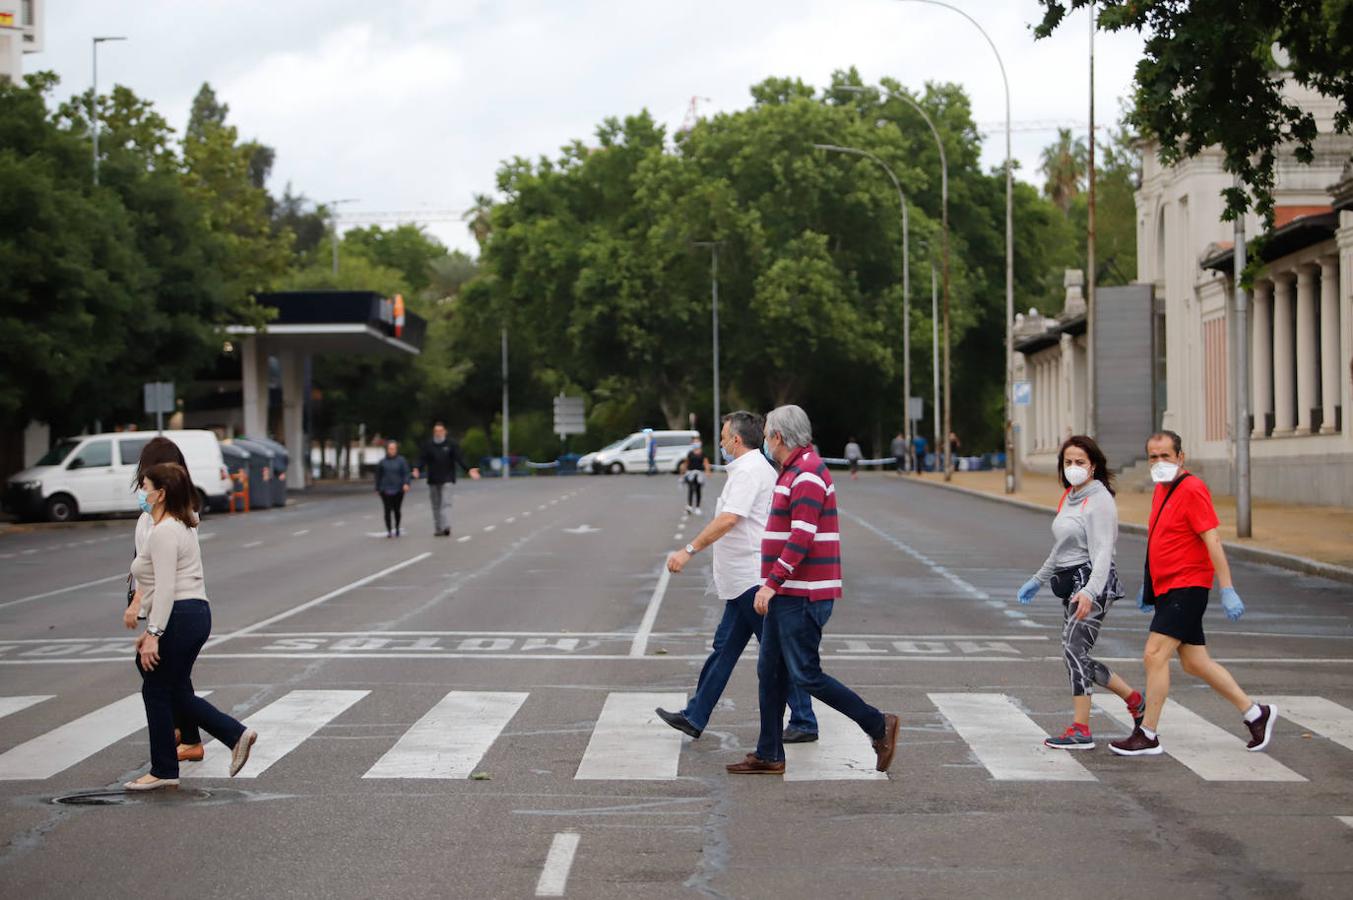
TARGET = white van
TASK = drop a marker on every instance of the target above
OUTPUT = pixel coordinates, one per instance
(93, 474)
(630, 454)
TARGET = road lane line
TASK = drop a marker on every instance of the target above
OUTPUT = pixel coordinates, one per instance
(1325, 717)
(77, 740)
(920, 557)
(490, 527)
(11, 705)
(510, 520)
(1212, 752)
(841, 752)
(630, 743)
(1005, 740)
(251, 545)
(640, 645)
(301, 533)
(64, 590)
(282, 726)
(309, 604)
(558, 864)
(451, 739)
(1347, 820)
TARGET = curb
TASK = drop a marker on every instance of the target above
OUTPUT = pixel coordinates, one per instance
(1282, 560)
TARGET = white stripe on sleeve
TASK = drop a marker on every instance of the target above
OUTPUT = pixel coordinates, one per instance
(800, 525)
(809, 476)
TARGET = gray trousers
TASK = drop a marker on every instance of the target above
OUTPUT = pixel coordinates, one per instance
(440, 495)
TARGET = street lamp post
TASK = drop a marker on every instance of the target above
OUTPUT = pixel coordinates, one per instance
(333, 226)
(94, 102)
(1011, 468)
(714, 315)
(906, 278)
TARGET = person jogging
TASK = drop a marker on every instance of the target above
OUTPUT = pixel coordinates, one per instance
(694, 468)
(392, 483)
(801, 581)
(735, 533)
(1183, 555)
(1083, 576)
(438, 460)
(169, 572)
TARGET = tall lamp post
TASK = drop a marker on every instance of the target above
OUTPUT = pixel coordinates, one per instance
(333, 225)
(906, 278)
(94, 103)
(714, 314)
(1011, 469)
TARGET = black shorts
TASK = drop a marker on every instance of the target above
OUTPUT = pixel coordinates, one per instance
(1179, 614)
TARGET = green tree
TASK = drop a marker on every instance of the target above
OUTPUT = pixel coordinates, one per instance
(1064, 166)
(1208, 78)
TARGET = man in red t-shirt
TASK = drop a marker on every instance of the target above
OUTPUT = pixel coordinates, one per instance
(1183, 555)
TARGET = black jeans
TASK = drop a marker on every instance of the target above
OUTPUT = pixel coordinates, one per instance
(394, 506)
(693, 491)
(167, 690)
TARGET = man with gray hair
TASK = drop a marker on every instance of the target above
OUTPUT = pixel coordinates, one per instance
(735, 532)
(801, 569)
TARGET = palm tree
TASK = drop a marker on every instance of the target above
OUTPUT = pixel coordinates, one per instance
(1064, 166)
(479, 219)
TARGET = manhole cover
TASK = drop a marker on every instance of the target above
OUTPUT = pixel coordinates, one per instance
(125, 798)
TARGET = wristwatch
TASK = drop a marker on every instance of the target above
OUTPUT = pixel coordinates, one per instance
(690, 548)
(152, 630)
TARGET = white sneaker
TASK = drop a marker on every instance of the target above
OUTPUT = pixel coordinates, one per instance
(697, 511)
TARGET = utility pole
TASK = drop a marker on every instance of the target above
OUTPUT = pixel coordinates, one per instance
(1090, 380)
(934, 355)
(507, 464)
(1242, 385)
(94, 103)
(333, 226)
(714, 307)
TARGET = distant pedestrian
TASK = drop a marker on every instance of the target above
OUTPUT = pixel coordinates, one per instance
(437, 460)
(919, 449)
(187, 738)
(1083, 576)
(651, 445)
(736, 530)
(694, 468)
(853, 456)
(900, 450)
(169, 572)
(801, 581)
(956, 447)
(392, 483)
(1183, 555)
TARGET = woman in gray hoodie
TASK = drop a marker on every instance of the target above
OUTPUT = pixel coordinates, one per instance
(1081, 571)
(392, 483)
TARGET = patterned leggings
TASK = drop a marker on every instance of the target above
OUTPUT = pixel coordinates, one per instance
(1079, 635)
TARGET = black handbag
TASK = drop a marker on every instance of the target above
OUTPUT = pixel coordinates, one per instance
(1148, 594)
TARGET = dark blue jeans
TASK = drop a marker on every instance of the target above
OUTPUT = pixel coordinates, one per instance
(739, 624)
(789, 659)
(167, 690)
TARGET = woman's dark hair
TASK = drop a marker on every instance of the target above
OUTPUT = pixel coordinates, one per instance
(160, 450)
(179, 494)
(1096, 456)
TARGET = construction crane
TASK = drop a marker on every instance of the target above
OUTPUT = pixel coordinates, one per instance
(692, 114)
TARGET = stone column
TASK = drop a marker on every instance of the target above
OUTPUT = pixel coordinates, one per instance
(293, 418)
(1284, 366)
(254, 375)
(1329, 342)
(1261, 362)
(1307, 352)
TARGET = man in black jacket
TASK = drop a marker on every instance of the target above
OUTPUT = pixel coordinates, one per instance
(438, 460)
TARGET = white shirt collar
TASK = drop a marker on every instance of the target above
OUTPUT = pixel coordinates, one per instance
(743, 460)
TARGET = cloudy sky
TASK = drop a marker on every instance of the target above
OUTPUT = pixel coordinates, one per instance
(412, 104)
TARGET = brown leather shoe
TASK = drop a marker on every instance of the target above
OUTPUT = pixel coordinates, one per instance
(886, 746)
(191, 752)
(755, 765)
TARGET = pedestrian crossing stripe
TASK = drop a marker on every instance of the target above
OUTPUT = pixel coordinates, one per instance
(629, 743)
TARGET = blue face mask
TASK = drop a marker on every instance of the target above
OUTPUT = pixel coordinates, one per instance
(143, 503)
(765, 448)
(727, 457)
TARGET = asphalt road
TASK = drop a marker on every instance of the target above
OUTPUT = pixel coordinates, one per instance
(472, 717)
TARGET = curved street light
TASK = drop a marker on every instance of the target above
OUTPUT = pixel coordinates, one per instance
(906, 278)
(1011, 470)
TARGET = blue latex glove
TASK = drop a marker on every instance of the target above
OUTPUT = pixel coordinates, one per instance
(1230, 601)
(1027, 592)
(1141, 600)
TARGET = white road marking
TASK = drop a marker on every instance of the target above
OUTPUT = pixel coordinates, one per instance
(11, 705)
(77, 740)
(541, 507)
(462, 539)
(339, 524)
(282, 726)
(640, 645)
(558, 864)
(630, 743)
(582, 529)
(510, 520)
(525, 514)
(1325, 717)
(251, 545)
(1347, 820)
(1213, 753)
(451, 739)
(301, 533)
(1005, 740)
(64, 590)
(490, 527)
(351, 586)
(842, 752)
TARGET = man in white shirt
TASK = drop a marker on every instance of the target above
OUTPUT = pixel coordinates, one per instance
(735, 532)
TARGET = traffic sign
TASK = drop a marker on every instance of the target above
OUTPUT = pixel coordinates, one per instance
(159, 397)
(1024, 393)
(569, 416)
(916, 409)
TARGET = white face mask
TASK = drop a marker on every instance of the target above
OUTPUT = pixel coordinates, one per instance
(1164, 472)
(1076, 475)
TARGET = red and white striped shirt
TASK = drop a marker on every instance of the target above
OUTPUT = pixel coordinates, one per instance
(801, 549)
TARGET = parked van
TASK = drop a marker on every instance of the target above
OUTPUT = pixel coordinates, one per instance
(93, 474)
(630, 454)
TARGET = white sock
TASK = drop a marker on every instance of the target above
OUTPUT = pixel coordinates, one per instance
(1253, 713)
(1149, 733)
